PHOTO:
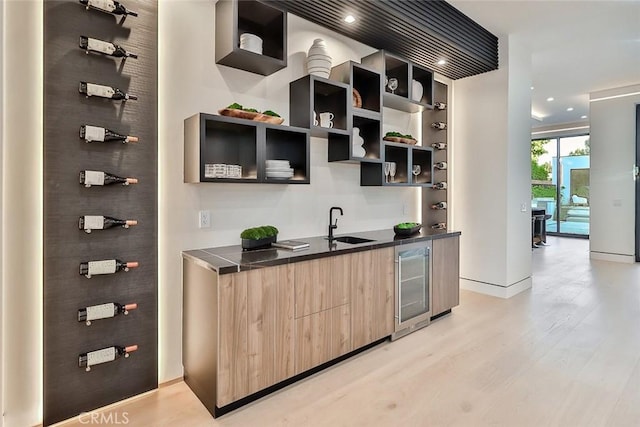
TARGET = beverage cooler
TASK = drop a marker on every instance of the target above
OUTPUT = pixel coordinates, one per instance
(413, 265)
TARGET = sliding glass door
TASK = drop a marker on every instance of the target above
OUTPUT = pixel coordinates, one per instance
(560, 183)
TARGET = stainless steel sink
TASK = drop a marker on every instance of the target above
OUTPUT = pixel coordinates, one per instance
(352, 240)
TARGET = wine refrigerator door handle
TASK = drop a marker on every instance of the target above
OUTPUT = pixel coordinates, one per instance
(399, 289)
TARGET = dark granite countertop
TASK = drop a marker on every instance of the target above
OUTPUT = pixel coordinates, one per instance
(232, 259)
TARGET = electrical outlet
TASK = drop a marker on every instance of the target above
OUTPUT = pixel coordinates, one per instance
(405, 209)
(204, 219)
(523, 207)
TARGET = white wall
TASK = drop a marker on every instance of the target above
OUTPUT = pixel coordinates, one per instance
(518, 165)
(22, 213)
(1, 210)
(612, 188)
(191, 82)
(492, 171)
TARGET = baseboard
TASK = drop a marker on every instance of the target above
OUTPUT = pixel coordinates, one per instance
(171, 382)
(496, 290)
(604, 256)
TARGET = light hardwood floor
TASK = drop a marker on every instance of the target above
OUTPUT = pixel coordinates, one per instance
(566, 353)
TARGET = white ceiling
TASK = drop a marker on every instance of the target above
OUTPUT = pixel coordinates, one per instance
(577, 47)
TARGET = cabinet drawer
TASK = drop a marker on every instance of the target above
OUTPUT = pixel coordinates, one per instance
(321, 284)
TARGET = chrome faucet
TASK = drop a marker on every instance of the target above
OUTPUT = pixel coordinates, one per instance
(332, 225)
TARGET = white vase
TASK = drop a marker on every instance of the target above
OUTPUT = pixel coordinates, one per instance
(357, 148)
(318, 59)
(416, 90)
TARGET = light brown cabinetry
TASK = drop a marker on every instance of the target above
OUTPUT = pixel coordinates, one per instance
(371, 278)
(256, 331)
(446, 274)
(246, 331)
(322, 325)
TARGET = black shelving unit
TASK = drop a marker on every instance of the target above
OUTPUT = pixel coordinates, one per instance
(311, 94)
(236, 17)
(423, 157)
(210, 139)
(364, 120)
(402, 98)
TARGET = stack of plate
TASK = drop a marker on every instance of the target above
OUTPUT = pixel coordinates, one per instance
(279, 169)
(251, 42)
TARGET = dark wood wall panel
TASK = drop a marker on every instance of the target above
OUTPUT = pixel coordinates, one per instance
(68, 389)
(429, 136)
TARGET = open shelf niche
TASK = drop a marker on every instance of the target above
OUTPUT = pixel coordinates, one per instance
(365, 120)
(211, 140)
(405, 96)
(312, 95)
(237, 17)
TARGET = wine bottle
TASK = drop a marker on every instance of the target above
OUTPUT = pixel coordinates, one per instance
(440, 106)
(439, 226)
(92, 89)
(99, 222)
(89, 178)
(439, 145)
(439, 205)
(109, 6)
(439, 125)
(106, 48)
(104, 311)
(440, 185)
(104, 355)
(107, 266)
(440, 165)
(98, 134)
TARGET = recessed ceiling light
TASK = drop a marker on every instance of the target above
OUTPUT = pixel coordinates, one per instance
(549, 99)
(442, 62)
(583, 117)
(349, 19)
(570, 109)
(531, 87)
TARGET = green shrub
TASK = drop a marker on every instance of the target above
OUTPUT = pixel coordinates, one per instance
(404, 225)
(258, 233)
(539, 191)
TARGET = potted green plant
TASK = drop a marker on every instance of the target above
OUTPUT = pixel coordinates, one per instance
(406, 228)
(259, 237)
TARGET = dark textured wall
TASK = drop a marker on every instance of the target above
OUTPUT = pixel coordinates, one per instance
(68, 389)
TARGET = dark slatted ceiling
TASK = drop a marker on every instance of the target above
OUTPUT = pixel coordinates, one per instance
(419, 30)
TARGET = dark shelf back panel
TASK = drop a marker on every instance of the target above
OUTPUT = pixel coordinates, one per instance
(330, 98)
(423, 158)
(292, 146)
(265, 22)
(68, 390)
(425, 78)
(368, 85)
(399, 155)
(370, 132)
(231, 144)
(339, 148)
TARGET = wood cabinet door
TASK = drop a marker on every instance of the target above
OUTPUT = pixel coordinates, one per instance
(323, 318)
(232, 339)
(270, 326)
(371, 296)
(312, 286)
(321, 337)
(256, 331)
(446, 274)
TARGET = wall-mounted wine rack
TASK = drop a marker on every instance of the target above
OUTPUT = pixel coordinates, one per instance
(434, 136)
(89, 367)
